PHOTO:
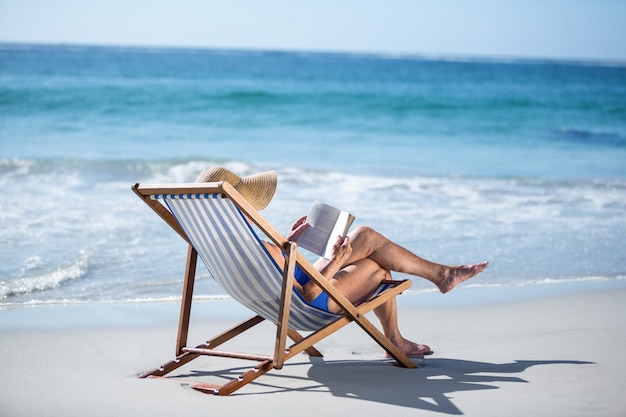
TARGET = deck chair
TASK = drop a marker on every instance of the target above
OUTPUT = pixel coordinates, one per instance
(221, 227)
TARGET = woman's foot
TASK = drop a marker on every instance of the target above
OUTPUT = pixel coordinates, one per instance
(457, 274)
(412, 350)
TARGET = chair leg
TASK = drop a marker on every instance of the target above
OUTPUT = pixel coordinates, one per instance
(170, 366)
(384, 342)
(185, 305)
(297, 337)
(235, 383)
(282, 326)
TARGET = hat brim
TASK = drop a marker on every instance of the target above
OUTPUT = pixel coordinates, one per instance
(257, 189)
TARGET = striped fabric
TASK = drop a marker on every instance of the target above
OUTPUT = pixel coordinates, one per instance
(236, 258)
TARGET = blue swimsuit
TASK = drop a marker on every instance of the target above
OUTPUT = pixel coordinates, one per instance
(321, 301)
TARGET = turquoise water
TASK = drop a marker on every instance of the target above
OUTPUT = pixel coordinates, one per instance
(518, 162)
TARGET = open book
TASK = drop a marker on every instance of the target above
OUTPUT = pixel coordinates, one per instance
(326, 223)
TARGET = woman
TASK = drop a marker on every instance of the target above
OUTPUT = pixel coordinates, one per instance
(358, 265)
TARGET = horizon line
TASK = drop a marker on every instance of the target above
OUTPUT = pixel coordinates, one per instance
(432, 56)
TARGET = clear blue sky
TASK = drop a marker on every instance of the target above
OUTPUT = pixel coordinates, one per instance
(580, 29)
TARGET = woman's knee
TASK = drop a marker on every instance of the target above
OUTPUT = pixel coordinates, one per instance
(366, 237)
(365, 232)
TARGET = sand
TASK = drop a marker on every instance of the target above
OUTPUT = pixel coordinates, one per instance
(558, 355)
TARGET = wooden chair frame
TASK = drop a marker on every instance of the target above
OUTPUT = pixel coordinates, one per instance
(282, 352)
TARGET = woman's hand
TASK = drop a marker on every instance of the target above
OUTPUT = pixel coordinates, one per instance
(341, 250)
(341, 254)
(297, 228)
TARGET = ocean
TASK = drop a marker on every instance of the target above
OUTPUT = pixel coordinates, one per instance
(519, 162)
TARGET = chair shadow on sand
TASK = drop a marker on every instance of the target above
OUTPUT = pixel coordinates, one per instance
(426, 388)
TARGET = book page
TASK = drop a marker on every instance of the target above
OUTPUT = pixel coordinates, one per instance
(340, 229)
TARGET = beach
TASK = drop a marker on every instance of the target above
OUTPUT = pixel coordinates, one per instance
(518, 162)
(549, 355)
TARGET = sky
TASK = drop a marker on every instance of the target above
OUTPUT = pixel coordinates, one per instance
(560, 29)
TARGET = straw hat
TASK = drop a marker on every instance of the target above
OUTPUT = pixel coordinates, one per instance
(258, 189)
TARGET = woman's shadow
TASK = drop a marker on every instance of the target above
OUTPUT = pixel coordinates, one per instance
(427, 388)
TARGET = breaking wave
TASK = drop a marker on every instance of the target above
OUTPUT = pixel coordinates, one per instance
(44, 280)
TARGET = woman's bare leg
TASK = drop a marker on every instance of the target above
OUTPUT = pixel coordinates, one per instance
(367, 243)
(357, 282)
(387, 314)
